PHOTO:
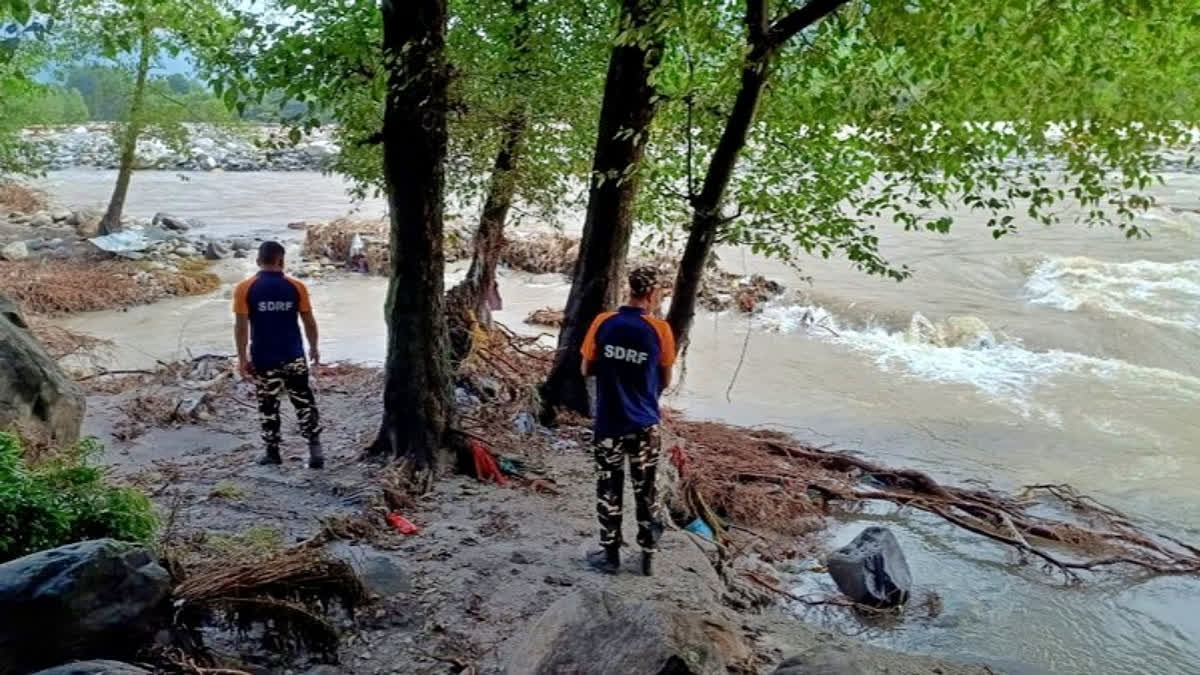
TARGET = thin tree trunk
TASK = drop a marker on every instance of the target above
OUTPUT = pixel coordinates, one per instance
(111, 222)
(416, 396)
(706, 210)
(625, 117)
(489, 238)
(480, 282)
(763, 43)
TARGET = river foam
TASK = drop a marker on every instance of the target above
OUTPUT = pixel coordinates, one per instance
(1162, 293)
(962, 350)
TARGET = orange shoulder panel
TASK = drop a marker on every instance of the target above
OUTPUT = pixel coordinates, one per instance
(666, 340)
(589, 342)
(240, 294)
(302, 290)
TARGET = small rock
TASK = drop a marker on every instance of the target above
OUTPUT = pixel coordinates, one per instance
(41, 220)
(381, 572)
(241, 245)
(559, 581)
(298, 225)
(15, 251)
(871, 570)
(522, 558)
(61, 216)
(170, 222)
(241, 254)
(216, 251)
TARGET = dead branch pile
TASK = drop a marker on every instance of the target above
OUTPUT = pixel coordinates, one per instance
(290, 592)
(766, 480)
(552, 318)
(68, 286)
(21, 198)
(541, 253)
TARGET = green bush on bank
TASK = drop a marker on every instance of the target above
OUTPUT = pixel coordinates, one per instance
(64, 500)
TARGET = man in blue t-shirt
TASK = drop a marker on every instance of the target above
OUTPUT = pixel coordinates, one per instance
(269, 309)
(631, 353)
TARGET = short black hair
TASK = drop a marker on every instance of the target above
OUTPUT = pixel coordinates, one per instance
(643, 281)
(270, 253)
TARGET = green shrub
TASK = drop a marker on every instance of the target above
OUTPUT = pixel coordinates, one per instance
(64, 500)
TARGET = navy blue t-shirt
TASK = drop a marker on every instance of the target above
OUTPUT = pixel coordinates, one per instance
(627, 348)
(273, 302)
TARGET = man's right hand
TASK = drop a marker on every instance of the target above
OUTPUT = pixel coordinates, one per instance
(246, 368)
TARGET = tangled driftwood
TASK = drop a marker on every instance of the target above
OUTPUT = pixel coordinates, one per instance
(768, 479)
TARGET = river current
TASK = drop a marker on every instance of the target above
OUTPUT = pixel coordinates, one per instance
(1063, 354)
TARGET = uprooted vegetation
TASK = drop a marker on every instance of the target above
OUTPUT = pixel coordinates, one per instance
(21, 198)
(69, 286)
(363, 246)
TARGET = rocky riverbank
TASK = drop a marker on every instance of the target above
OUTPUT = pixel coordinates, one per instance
(240, 147)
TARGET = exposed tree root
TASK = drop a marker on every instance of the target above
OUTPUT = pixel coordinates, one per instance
(766, 479)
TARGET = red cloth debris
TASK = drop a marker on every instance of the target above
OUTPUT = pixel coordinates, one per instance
(485, 464)
(678, 458)
(401, 524)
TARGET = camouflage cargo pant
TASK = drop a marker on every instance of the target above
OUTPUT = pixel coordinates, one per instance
(643, 449)
(291, 377)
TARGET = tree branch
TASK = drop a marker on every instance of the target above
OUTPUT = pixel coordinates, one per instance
(756, 20)
(798, 19)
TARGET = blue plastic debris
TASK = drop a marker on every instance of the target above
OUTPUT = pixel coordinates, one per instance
(698, 526)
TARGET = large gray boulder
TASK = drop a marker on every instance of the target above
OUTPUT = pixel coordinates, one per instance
(599, 633)
(93, 599)
(825, 660)
(871, 570)
(35, 394)
(101, 667)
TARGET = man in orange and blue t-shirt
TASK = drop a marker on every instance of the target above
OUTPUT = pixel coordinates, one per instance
(269, 308)
(631, 354)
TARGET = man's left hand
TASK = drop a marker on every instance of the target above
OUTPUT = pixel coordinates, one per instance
(314, 355)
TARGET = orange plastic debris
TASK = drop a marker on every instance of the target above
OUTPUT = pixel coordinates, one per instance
(485, 465)
(401, 524)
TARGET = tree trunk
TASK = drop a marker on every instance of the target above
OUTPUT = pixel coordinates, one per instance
(624, 129)
(111, 222)
(706, 209)
(478, 287)
(416, 398)
(763, 42)
(489, 238)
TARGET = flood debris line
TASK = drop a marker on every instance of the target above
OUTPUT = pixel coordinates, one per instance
(767, 480)
(362, 246)
(68, 286)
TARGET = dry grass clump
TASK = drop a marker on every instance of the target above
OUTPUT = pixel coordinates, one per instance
(192, 278)
(61, 343)
(287, 593)
(53, 287)
(541, 253)
(62, 287)
(21, 198)
(551, 318)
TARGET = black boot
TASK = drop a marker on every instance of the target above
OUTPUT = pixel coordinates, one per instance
(316, 456)
(647, 563)
(606, 560)
(271, 456)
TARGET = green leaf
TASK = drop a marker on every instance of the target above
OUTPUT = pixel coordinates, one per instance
(21, 11)
(294, 136)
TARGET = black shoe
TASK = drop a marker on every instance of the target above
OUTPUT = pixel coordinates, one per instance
(316, 456)
(647, 563)
(606, 560)
(271, 457)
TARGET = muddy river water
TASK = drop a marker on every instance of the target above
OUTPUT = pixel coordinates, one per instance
(1083, 367)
